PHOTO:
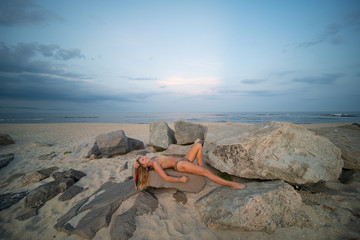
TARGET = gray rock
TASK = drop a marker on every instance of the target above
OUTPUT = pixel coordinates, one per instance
(70, 193)
(71, 173)
(40, 195)
(180, 196)
(161, 135)
(5, 159)
(5, 139)
(347, 139)
(100, 207)
(48, 156)
(125, 224)
(261, 206)
(9, 199)
(115, 143)
(37, 176)
(177, 150)
(85, 149)
(27, 213)
(272, 150)
(187, 133)
(196, 183)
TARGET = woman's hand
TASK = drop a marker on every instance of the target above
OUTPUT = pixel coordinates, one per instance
(184, 179)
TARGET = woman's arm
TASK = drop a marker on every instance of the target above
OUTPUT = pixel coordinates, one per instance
(166, 177)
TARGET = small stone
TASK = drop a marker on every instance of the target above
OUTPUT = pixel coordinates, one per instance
(180, 197)
(5, 139)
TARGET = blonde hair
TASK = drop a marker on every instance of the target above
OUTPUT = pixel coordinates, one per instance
(141, 175)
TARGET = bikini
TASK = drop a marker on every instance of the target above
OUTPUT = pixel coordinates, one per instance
(180, 160)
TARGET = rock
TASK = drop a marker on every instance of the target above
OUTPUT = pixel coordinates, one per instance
(115, 143)
(5, 159)
(48, 156)
(85, 149)
(5, 139)
(177, 150)
(100, 207)
(272, 150)
(180, 196)
(262, 206)
(187, 133)
(71, 173)
(38, 144)
(125, 224)
(347, 139)
(27, 213)
(196, 183)
(70, 193)
(161, 135)
(38, 175)
(9, 199)
(40, 195)
(350, 176)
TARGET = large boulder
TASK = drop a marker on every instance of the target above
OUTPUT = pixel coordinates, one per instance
(262, 206)
(106, 145)
(177, 150)
(273, 150)
(188, 133)
(347, 139)
(5, 139)
(125, 224)
(161, 135)
(37, 176)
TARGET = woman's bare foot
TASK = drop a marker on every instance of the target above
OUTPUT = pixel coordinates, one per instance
(238, 186)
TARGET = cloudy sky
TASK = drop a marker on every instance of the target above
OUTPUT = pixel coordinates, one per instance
(179, 56)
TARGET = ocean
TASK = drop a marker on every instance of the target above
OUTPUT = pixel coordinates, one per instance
(194, 117)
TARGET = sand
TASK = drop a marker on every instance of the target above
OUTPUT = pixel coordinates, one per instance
(171, 220)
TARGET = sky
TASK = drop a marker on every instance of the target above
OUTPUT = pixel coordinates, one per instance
(179, 55)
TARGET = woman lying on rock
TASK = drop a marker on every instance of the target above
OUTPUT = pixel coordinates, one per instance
(184, 165)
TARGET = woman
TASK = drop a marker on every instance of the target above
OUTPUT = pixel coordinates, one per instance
(184, 165)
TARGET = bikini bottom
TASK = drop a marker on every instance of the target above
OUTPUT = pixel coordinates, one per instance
(180, 160)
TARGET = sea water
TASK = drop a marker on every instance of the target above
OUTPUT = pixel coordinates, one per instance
(170, 117)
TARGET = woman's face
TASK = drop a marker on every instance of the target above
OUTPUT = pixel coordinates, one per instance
(144, 161)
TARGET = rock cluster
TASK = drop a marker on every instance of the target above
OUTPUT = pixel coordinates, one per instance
(5, 159)
(162, 136)
(273, 150)
(106, 145)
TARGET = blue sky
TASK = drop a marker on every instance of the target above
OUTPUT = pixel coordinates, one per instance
(179, 56)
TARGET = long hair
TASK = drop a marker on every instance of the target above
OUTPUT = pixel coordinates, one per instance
(141, 177)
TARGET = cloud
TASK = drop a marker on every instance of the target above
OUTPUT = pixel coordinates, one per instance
(332, 31)
(139, 78)
(24, 77)
(253, 81)
(322, 80)
(22, 57)
(24, 12)
(190, 85)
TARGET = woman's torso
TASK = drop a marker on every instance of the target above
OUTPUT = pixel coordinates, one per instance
(166, 161)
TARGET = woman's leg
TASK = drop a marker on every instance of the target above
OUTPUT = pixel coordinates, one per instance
(187, 167)
(195, 152)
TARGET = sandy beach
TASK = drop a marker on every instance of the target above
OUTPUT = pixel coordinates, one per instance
(171, 220)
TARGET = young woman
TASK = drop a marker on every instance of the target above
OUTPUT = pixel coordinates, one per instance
(184, 165)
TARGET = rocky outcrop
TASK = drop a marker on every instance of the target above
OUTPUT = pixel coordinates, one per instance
(70, 193)
(262, 206)
(177, 150)
(37, 197)
(47, 156)
(188, 133)
(5, 139)
(5, 159)
(99, 208)
(124, 225)
(196, 183)
(273, 150)
(161, 135)
(347, 139)
(106, 145)
(37, 176)
(9, 199)
(71, 173)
